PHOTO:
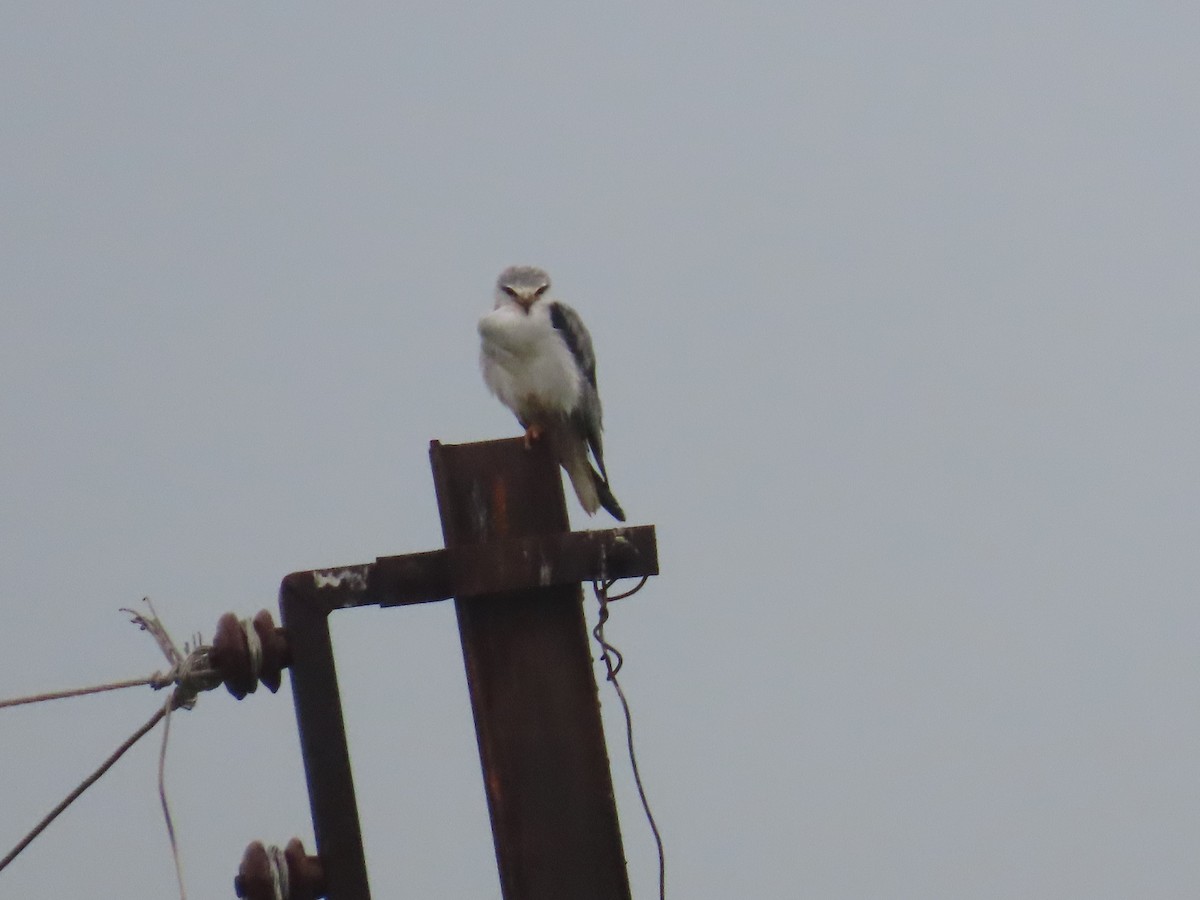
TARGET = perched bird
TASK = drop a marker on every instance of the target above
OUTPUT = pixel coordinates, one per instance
(537, 357)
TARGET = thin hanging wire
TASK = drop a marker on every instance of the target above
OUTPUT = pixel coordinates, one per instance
(162, 794)
(193, 673)
(613, 660)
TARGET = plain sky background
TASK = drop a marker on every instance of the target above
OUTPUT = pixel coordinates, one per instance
(897, 312)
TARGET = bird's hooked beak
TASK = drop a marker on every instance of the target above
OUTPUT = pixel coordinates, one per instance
(524, 297)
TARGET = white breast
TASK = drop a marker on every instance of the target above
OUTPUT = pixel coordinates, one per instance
(526, 363)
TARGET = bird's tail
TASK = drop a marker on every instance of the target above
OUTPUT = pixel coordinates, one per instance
(591, 487)
(607, 500)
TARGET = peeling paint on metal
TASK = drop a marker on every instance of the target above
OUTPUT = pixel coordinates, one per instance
(352, 578)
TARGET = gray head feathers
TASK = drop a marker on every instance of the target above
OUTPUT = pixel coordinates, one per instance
(523, 279)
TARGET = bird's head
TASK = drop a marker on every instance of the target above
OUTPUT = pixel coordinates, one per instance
(523, 284)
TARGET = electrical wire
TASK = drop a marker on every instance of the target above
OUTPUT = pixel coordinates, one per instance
(607, 654)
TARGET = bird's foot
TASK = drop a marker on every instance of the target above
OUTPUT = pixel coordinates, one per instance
(532, 433)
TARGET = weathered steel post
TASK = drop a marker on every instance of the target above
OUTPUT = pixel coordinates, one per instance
(529, 672)
(514, 570)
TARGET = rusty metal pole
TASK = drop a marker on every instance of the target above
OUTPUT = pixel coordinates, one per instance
(533, 693)
(323, 739)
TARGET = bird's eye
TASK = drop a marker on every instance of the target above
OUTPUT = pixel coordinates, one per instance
(508, 290)
(541, 290)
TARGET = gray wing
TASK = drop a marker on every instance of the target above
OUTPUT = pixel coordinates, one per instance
(588, 417)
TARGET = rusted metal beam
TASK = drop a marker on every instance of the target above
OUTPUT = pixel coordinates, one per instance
(305, 615)
(513, 563)
(533, 693)
(472, 571)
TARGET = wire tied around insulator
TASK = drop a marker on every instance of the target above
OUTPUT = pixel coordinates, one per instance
(248, 652)
(192, 671)
(277, 861)
(243, 653)
(192, 675)
(271, 873)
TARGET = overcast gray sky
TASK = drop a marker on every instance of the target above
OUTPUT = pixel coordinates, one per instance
(896, 312)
